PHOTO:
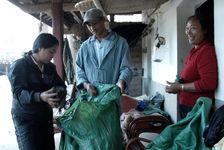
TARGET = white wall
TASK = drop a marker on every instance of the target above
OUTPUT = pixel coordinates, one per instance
(167, 68)
(219, 45)
(172, 21)
(167, 27)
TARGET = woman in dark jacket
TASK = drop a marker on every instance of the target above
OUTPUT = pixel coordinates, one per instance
(33, 79)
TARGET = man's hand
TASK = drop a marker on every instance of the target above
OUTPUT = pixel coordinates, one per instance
(90, 89)
(122, 85)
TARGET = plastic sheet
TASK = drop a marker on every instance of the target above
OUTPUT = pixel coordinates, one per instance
(92, 123)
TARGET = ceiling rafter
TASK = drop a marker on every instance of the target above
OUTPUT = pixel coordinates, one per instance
(45, 7)
(73, 15)
(109, 6)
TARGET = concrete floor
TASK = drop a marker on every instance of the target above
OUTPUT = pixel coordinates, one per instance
(7, 131)
(7, 136)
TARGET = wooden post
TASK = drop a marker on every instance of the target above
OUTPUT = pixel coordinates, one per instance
(57, 24)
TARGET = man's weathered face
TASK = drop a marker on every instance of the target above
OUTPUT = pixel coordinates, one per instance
(96, 27)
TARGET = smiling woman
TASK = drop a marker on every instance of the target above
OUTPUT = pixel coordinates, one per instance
(199, 77)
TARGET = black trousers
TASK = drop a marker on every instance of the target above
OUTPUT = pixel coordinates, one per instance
(183, 111)
(34, 133)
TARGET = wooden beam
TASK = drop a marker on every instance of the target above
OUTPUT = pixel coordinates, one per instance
(57, 24)
(99, 6)
(76, 17)
(129, 6)
(45, 7)
(109, 6)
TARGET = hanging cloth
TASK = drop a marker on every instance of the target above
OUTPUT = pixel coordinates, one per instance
(68, 63)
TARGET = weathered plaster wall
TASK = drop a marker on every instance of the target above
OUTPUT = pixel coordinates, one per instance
(171, 18)
(219, 40)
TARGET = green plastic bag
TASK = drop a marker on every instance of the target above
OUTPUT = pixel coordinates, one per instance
(187, 133)
(92, 123)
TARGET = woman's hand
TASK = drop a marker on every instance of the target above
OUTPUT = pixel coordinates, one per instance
(173, 87)
(50, 97)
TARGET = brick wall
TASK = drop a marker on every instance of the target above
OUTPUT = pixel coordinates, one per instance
(135, 88)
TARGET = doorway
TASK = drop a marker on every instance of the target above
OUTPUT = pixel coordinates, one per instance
(207, 9)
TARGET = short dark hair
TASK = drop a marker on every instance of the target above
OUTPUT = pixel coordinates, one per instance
(205, 25)
(44, 40)
(202, 20)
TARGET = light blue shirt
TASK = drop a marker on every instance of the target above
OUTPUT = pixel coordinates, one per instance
(100, 48)
(109, 67)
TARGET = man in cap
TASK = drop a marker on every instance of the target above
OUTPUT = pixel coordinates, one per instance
(104, 57)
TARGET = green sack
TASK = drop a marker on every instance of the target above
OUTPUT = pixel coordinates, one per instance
(187, 133)
(92, 123)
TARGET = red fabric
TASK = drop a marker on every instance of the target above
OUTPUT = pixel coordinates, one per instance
(128, 103)
(200, 68)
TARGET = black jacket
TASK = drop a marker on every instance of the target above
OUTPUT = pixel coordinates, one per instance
(27, 82)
